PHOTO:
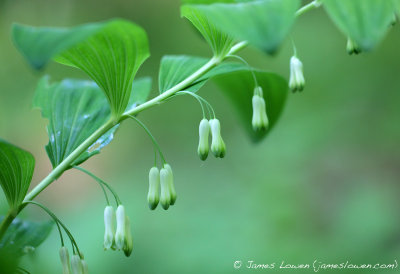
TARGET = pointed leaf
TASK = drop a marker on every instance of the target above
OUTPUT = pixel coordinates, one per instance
(75, 109)
(365, 21)
(219, 41)
(263, 23)
(109, 52)
(239, 86)
(175, 68)
(16, 170)
(40, 44)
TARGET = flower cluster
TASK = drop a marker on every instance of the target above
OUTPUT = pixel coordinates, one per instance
(76, 265)
(164, 178)
(218, 147)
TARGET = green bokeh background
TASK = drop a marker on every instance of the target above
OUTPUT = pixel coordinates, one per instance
(323, 186)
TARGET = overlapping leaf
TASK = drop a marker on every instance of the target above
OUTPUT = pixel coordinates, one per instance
(109, 52)
(16, 170)
(219, 41)
(236, 82)
(263, 23)
(75, 110)
(365, 21)
(238, 87)
(175, 68)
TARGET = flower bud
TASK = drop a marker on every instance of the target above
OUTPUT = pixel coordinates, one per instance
(64, 256)
(204, 131)
(76, 264)
(172, 191)
(84, 267)
(352, 47)
(109, 232)
(120, 233)
(217, 144)
(260, 119)
(154, 185)
(128, 245)
(165, 198)
(296, 81)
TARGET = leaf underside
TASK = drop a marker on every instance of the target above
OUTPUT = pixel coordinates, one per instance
(236, 82)
(16, 170)
(109, 52)
(364, 21)
(75, 110)
(263, 23)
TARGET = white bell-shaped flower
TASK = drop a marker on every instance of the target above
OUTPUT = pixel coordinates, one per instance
(153, 196)
(352, 47)
(120, 233)
(296, 80)
(165, 197)
(76, 264)
(260, 118)
(109, 231)
(172, 191)
(204, 132)
(128, 245)
(217, 143)
(64, 256)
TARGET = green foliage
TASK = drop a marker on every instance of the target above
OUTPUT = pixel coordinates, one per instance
(238, 87)
(111, 58)
(109, 52)
(75, 109)
(219, 41)
(16, 170)
(365, 21)
(263, 23)
(40, 44)
(21, 237)
(176, 68)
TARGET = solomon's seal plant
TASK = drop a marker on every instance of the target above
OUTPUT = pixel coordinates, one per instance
(84, 115)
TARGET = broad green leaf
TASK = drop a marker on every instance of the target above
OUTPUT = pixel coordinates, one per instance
(21, 238)
(263, 23)
(40, 44)
(239, 86)
(365, 21)
(76, 109)
(109, 52)
(16, 170)
(175, 68)
(219, 41)
(397, 7)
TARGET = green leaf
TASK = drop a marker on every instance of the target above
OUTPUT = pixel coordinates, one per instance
(22, 236)
(364, 21)
(175, 68)
(40, 44)
(263, 23)
(16, 170)
(75, 110)
(239, 86)
(109, 52)
(219, 41)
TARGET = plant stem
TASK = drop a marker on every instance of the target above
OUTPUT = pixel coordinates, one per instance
(309, 6)
(67, 162)
(6, 223)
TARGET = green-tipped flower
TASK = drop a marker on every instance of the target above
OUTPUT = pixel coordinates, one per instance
(128, 245)
(154, 185)
(217, 144)
(64, 256)
(76, 264)
(172, 191)
(296, 80)
(109, 232)
(260, 119)
(85, 267)
(165, 198)
(204, 132)
(352, 47)
(120, 233)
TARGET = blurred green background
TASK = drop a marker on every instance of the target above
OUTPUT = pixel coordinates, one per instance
(324, 185)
